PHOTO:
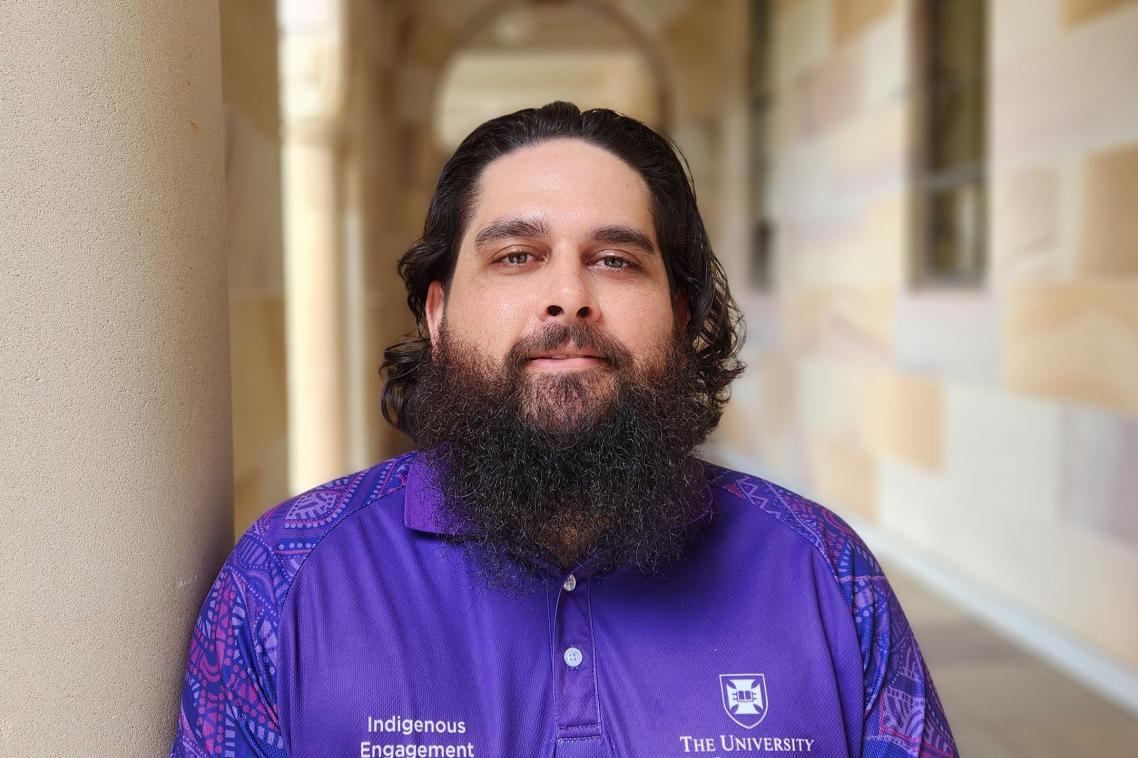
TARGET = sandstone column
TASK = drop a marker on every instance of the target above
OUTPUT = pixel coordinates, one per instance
(115, 472)
(312, 72)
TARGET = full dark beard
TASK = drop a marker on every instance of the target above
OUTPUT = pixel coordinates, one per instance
(557, 469)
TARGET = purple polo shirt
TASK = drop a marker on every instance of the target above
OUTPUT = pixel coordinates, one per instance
(347, 623)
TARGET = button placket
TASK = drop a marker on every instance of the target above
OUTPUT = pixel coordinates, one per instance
(577, 711)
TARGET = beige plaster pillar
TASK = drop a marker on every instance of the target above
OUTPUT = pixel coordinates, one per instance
(312, 84)
(115, 473)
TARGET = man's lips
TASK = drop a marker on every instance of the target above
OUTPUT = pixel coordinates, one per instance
(565, 356)
(561, 360)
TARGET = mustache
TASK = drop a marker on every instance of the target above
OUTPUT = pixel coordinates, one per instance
(581, 336)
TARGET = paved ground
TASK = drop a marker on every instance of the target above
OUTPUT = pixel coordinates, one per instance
(1003, 702)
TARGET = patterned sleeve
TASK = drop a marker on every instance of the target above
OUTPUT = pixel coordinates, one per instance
(903, 714)
(903, 717)
(229, 699)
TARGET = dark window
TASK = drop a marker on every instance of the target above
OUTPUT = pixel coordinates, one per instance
(951, 152)
(760, 99)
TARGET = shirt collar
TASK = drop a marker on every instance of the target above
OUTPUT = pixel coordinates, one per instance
(422, 503)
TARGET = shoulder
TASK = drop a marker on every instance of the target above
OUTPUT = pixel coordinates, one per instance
(230, 690)
(836, 543)
(857, 575)
(903, 715)
(278, 543)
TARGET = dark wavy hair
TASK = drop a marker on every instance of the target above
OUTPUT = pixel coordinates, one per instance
(715, 329)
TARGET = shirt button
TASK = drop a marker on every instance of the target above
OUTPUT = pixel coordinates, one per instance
(570, 584)
(573, 657)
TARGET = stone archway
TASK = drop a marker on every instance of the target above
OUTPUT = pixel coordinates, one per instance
(520, 54)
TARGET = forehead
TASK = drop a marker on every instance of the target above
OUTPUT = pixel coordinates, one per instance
(569, 182)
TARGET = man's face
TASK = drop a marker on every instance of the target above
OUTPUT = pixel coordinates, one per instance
(561, 233)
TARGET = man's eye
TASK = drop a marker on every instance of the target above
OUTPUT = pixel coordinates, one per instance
(516, 259)
(614, 261)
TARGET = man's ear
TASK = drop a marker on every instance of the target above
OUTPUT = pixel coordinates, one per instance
(435, 305)
(680, 310)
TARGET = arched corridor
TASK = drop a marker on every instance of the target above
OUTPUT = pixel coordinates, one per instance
(925, 215)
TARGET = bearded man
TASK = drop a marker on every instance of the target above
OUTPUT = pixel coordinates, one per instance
(554, 572)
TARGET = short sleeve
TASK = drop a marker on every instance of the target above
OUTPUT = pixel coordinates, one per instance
(229, 700)
(903, 714)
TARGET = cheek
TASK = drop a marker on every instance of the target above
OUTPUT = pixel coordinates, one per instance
(644, 324)
(486, 320)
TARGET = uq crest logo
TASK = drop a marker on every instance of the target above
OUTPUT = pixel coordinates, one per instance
(744, 698)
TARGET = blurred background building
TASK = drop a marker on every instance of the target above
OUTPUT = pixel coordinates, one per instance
(926, 210)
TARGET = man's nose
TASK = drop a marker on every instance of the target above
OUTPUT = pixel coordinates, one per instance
(569, 296)
(556, 310)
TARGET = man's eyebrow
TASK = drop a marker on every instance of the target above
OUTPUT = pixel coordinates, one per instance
(510, 227)
(624, 235)
(524, 228)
